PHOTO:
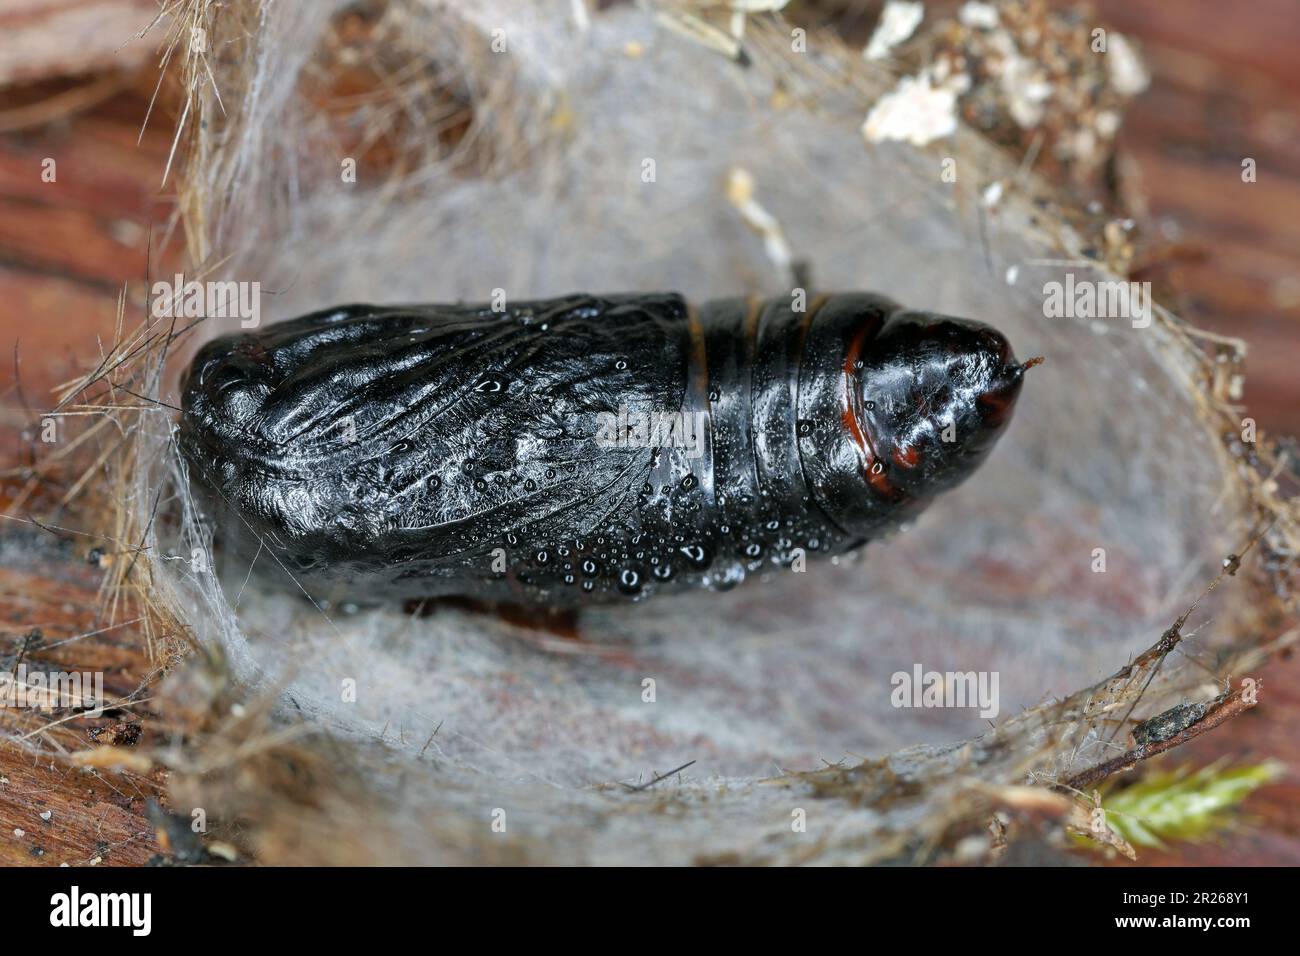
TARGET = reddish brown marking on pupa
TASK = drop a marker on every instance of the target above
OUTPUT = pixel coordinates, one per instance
(907, 456)
(849, 415)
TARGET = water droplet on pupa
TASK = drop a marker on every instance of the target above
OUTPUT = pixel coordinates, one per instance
(697, 554)
(729, 578)
(629, 581)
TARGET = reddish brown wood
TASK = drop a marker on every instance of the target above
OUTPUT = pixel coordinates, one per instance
(1225, 86)
(45, 38)
(48, 598)
(1226, 81)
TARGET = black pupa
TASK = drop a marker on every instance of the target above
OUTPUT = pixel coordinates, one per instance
(585, 448)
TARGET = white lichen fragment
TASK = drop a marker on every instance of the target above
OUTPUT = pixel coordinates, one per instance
(1026, 89)
(898, 21)
(914, 111)
(1107, 123)
(978, 16)
(581, 18)
(1127, 73)
(740, 193)
(693, 28)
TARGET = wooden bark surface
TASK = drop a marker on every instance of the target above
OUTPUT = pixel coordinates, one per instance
(1225, 85)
